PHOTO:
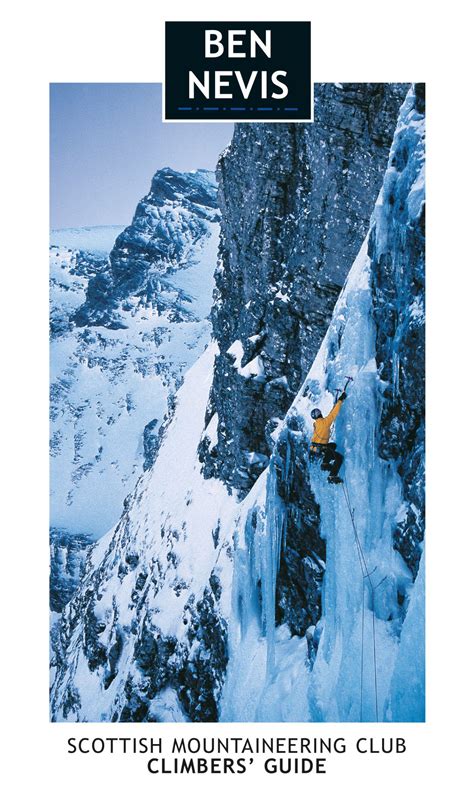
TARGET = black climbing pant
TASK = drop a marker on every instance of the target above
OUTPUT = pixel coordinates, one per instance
(331, 459)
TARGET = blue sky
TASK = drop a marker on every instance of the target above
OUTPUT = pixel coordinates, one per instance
(107, 140)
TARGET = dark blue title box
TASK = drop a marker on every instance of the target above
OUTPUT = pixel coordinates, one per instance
(238, 71)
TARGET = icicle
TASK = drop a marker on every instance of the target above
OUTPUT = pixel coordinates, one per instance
(288, 466)
(271, 553)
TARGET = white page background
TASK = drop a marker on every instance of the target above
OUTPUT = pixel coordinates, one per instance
(105, 41)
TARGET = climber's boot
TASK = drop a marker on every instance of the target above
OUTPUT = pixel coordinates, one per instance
(334, 480)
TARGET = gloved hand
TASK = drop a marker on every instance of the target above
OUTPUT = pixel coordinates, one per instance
(343, 396)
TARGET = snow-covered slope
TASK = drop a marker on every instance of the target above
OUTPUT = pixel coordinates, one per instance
(97, 240)
(144, 640)
(113, 386)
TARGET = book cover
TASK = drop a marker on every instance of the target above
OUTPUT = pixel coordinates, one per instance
(216, 366)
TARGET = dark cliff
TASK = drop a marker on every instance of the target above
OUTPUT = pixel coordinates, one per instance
(295, 202)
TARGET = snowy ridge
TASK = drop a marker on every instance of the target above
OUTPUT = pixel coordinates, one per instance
(169, 223)
(112, 388)
(95, 240)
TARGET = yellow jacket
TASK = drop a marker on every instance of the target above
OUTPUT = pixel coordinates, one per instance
(322, 425)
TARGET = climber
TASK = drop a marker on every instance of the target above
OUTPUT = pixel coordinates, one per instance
(320, 447)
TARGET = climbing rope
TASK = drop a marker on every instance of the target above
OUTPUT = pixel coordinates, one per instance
(362, 650)
(361, 558)
(365, 575)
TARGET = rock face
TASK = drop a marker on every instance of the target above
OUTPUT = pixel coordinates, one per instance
(295, 201)
(303, 556)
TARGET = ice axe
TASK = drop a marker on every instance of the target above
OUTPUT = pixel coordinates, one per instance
(348, 378)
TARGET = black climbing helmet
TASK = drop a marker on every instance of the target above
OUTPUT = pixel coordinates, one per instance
(316, 413)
